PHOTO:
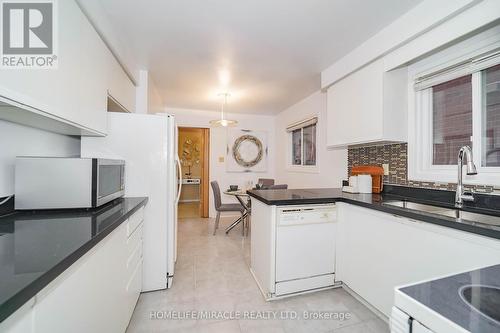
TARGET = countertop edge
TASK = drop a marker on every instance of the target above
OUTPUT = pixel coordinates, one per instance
(447, 222)
(31, 290)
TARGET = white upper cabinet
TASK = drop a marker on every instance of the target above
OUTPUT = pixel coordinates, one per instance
(120, 88)
(75, 93)
(368, 106)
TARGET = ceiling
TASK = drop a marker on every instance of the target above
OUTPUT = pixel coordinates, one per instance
(274, 50)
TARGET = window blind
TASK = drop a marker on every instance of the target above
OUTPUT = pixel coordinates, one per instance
(462, 68)
(301, 124)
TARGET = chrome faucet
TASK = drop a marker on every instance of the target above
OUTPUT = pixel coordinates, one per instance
(460, 195)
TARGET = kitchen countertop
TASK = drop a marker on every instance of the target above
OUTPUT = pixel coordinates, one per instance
(442, 296)
(37, 246)
(391, 193)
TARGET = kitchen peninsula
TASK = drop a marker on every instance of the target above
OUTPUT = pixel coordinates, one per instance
(370, 234)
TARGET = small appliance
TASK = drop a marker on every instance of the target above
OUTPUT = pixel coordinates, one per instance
(364, 183)
(375, 172)
(60, 182)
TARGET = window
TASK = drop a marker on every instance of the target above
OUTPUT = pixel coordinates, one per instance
(303, 136)
(451, 119)
(456, 105)
(309, 135)
(297, 147)
(490, 130)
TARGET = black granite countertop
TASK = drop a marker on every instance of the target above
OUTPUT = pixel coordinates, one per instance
(37, 246)
(446, 297)
(484, 204)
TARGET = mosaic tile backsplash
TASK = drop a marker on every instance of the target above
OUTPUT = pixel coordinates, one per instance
(396, 155)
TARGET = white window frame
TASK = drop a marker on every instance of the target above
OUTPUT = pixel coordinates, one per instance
(302, 168)
(420, 140)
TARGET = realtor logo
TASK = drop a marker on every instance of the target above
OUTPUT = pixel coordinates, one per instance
(28, 34)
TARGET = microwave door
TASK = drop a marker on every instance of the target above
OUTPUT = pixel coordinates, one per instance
(110, 181)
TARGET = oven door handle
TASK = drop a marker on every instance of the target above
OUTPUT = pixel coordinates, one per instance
(180, 179)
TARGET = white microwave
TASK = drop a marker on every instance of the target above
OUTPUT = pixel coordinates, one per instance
(58, 183)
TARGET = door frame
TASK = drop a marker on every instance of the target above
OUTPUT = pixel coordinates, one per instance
(205, 171)
(205, 168)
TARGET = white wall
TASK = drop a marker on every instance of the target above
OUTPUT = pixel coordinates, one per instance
(19, 140)
(155, 100)
(218, 142)
(147, 96)
(428, 26)
(332, 164)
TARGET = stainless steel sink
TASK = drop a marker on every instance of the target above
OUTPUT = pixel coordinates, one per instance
(484, 299)
(417, 206)
(454, 213)
(473, 217)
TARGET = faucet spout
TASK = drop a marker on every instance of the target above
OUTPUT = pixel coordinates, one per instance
(464, 153)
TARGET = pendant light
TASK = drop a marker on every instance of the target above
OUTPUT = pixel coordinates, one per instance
(223, 121)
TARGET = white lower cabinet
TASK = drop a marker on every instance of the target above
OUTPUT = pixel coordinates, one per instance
(377, 252)
(90, 297)
(98, 293)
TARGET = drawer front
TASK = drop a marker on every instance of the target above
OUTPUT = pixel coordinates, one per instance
(134, 249)
(134, 257)
(134, 221)
(133, 239)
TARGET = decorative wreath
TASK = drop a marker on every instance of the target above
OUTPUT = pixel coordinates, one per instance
(237, 155)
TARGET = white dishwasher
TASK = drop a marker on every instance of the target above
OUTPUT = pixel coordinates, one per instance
(305, 248)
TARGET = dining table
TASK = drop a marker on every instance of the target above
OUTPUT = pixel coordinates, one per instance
(244, 200)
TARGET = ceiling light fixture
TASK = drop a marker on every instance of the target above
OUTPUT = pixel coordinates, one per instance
(224, 77)
(223, 121)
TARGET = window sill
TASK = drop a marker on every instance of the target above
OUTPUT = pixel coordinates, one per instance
(450, 176)
(303, 168)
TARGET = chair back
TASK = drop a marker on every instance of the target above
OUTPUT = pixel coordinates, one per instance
(217, 196)
(265, 181)
(278, 187)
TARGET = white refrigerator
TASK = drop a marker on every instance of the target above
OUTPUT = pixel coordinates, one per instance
(148, 144)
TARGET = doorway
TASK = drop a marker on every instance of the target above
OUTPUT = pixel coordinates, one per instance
(194, 156)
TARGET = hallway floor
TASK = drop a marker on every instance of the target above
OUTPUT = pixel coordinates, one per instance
(188, 210)
(212, 275)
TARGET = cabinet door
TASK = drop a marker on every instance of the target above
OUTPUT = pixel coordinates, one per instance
(120, 87)
(20, 321)
(51, 90)
(77, 90)
(90, 296)
(354, 107)
(92, 79)
(377, 252)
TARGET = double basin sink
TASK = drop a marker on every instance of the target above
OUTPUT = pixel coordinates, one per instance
(449, 212)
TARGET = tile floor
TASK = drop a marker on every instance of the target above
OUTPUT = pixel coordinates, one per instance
(212, 275)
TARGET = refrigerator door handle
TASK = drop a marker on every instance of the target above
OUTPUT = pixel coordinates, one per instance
(180, 179)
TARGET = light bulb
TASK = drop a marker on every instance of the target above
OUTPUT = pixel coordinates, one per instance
(224, 77)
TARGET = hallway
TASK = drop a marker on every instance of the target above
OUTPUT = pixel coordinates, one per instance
(212, 275)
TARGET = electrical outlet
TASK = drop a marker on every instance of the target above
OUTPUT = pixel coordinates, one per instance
(385, 166)
(221, 159)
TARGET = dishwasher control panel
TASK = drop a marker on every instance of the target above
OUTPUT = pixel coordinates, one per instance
(294, 215)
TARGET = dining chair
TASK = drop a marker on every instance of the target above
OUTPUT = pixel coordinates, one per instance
(220, 207)
(278, 187)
